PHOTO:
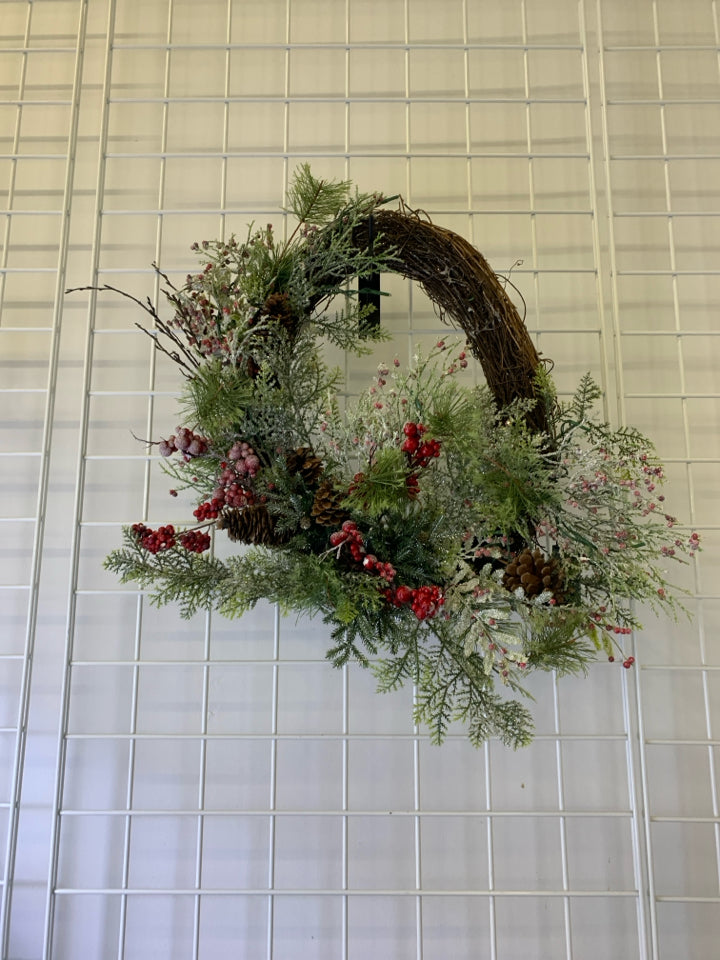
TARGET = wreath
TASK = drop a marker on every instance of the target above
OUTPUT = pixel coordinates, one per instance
(455, 537)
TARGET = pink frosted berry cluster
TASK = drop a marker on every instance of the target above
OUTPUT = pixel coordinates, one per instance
(425, 602)
(693, 543)
(230, 492)
(350, 536)
(232, 488)
(203, 319)
(186, 442)
(244, 459)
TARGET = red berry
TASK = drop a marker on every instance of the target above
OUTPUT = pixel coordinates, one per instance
(195, 541)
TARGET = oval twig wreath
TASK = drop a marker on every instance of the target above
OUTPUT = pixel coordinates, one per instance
(453, 537)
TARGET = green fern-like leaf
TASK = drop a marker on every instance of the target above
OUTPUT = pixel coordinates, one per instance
(585, 397)
(315, 201)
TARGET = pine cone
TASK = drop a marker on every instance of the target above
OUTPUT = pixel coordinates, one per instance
(304, 462)
(535, 573)
(327, 509)
(251, 525)
(277, 307)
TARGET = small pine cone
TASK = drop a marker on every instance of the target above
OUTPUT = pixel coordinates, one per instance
(304, 462)
(277, 307)
(327, 509)
(251, 525)
(535, 573)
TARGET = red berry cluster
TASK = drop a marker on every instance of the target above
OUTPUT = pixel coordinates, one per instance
(154, 540)
(601, 621)
(195, 540)
(164, 538)
(425, 602)
(413, 486)
(386, 571)
(210, 510)
(186, 442)
(357, 480)
(419, 452)
(350, 535)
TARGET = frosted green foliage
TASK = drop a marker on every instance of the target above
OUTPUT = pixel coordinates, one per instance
(446, 544)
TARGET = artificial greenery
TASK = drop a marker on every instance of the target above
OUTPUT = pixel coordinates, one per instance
(447, 541)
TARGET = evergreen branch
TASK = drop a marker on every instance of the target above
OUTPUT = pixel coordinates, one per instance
(192, 580)
(315, 201)
(216, 396)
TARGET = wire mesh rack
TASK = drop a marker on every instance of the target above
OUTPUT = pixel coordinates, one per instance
(208, 789)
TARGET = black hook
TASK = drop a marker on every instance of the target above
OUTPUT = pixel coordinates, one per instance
(369, 289)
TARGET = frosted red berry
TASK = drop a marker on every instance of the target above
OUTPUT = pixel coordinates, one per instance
(195, 540)
(154, 540)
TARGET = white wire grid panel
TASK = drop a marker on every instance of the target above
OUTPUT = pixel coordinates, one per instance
(209, 789)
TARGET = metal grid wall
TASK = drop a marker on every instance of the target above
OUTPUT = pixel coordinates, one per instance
(213, 789)
(661, 106)
(38, 143)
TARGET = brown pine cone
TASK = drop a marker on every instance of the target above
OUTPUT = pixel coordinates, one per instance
(535, 573)
(304, 462)
(277, 307)
(251, 525)
(327, 509)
